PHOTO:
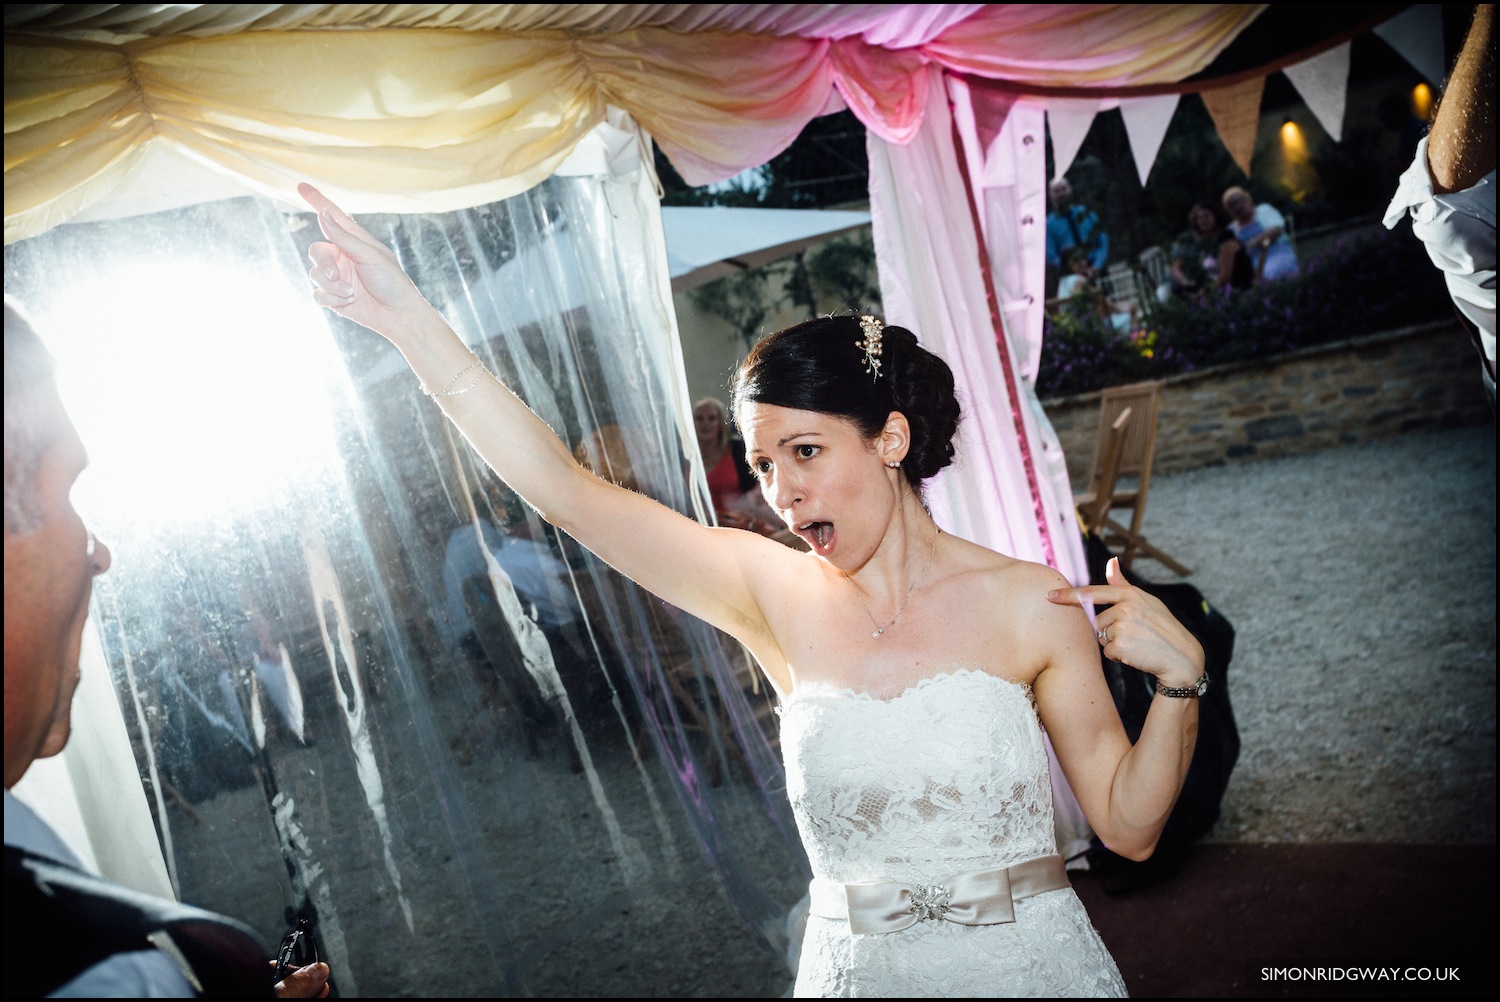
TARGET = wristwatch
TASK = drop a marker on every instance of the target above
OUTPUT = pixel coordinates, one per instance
(1193, 691)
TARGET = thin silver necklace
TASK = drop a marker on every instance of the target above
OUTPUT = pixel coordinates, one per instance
(880, 630)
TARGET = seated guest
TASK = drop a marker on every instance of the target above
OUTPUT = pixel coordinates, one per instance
(1263, 232)
(1078, 286)
(540, 578)
(1071, 224)
(1208, 256)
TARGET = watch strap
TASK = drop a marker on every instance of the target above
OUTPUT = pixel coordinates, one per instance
(1193, 691)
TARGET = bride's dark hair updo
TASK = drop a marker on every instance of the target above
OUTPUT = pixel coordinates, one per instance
(818, 365)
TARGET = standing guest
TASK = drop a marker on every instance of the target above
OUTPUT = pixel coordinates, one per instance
(1071, 224)
(1262, 230)
(915, 670)
(731, 485)
(729, 476)
(69, 933)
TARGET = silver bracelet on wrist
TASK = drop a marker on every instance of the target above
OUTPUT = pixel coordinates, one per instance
(450, 391)
(1193, 691)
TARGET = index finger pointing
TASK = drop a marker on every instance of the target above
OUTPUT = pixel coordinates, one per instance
(1087, 595)
(320, 202)
(334, 221)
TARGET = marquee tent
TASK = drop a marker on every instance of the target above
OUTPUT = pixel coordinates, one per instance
(117, 109)
(433, 107)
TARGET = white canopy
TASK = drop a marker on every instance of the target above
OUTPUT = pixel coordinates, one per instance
(709, 242)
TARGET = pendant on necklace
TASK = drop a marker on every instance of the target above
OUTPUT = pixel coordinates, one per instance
(877, 633)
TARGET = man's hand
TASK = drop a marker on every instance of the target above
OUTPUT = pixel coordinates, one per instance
(310, 982)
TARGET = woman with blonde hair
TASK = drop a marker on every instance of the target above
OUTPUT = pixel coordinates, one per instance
(731, 485)
(1262, 229)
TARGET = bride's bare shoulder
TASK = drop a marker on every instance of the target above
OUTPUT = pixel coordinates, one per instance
(1007, 576)
(1007, 611)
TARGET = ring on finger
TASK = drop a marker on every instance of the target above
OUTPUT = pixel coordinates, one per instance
(1103, 635)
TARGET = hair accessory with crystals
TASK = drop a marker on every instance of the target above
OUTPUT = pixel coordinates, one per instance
(871, 345)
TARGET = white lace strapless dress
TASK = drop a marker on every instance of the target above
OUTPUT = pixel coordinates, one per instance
(949, 777)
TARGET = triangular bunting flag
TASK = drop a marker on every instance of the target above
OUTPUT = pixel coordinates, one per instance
(991, 109)
(1323, 82)
(1236, 113)
(1146, 121)
(1068, 120)
(1417, 36)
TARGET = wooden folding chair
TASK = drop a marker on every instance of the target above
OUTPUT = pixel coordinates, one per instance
(1137, 451)
(1093, 504)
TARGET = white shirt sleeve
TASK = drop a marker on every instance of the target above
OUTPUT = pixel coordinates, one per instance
(1269, 217)
(1458, 230)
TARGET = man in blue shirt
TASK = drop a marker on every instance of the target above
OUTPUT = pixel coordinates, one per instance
(1072, 225)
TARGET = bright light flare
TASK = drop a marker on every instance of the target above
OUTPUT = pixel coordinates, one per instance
(1421, 101)
(1293, 141)
(201, 392)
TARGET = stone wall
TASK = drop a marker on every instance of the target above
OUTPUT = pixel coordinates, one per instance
(1335, 394)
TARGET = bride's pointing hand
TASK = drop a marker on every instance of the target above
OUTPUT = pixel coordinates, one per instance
(356, 275)
(1138, 629)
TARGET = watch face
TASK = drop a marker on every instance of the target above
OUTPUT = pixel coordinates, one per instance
(1202, 685)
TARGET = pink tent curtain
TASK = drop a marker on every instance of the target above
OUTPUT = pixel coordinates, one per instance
(957, 215)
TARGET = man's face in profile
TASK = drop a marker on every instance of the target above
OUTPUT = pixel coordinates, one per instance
(50, 565)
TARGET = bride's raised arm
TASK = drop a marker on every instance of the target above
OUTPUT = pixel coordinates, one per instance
(715, 574)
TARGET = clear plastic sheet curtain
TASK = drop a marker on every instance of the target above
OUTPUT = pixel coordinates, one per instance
(361, 679)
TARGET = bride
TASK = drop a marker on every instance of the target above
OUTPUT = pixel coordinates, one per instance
(915, 669)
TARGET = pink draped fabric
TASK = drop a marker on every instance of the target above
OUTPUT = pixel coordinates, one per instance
(968, 282)
(722, 87)
(931, 280)
(881, 69)
(1090, 45)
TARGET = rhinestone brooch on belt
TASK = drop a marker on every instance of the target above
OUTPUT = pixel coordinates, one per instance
(929, 902)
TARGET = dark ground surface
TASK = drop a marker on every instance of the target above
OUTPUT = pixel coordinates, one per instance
(1236, 909)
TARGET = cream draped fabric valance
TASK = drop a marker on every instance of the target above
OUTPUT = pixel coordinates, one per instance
(436, 107)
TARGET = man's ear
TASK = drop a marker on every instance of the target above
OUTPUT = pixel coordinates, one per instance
(894, 440)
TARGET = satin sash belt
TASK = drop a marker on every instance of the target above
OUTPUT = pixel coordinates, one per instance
(986, 897)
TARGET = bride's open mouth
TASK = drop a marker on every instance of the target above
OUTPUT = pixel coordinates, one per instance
(818, 534)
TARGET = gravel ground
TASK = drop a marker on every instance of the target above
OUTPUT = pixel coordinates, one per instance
(1361, 585)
